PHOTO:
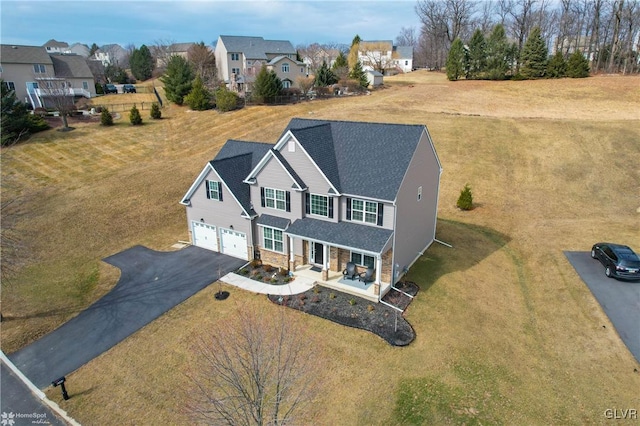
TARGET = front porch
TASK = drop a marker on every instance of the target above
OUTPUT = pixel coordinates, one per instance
(335, 280)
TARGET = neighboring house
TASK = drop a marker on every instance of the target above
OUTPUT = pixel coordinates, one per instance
(240, 58)
(315, 55)
(80, 49)
(327, 193)
(53, 46)
(34, 74)
(384, 57)
(374, 78)
(163, 53)
(112, 54)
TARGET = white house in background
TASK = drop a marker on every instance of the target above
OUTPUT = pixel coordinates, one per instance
(30, 71)
(54, 46)
(112, 54)
(383, 56)
(240, 58)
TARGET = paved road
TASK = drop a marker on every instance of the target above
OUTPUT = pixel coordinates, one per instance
(150, 284)
(619, 299)
(19, 404)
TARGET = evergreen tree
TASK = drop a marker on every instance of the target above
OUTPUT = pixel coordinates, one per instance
(358, 74)
(156, 114)
(134, 116)
(465, 200)
(199, 99)
(16, 121)
(534, 56)
(341, 66)
(500, 55)
(141, 63)
(115, 74)
(325, 77)
(353, 51)
(92, 49)
(476, 57)
(557, 66)
(226, 100)
(577, 65)
(106, 119)
(455, 60)
(177, 79)
(266, 86)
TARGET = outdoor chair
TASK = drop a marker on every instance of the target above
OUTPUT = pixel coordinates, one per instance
(366, 276)
(351, 271)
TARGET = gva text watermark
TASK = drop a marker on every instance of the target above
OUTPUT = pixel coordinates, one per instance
(621, 413)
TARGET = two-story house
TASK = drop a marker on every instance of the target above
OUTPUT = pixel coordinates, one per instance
(384, 57)
(35, 74)
(112, 54)
(240, 58)
(327, 193)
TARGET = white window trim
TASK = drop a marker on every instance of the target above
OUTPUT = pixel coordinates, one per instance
(311, 205)
(235, 56)
(362, 256)
(211, 190)
(275, 199)
(285, 67)
(273, 239)
(364, 211)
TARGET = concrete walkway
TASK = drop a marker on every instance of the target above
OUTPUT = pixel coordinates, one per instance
(299, 285)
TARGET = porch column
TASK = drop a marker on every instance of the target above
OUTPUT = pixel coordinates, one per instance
(378, 269)
(325, 262)
(292, 256)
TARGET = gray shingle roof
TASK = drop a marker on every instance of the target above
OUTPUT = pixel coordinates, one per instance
(345, 234)
(234, 162)
(16, 54)
(365, 159)
(71, 66)
(404, 52)
(273, 221)
(256, 47)
(180, 47)
(55, 43)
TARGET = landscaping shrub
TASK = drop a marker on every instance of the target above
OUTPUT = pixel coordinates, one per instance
(255, 263)
(106, 119)
(267, 268)
(156, 114)
(465, 201)
(226, 100)
(134, 116)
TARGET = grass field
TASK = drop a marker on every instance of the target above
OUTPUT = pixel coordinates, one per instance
(506, 330)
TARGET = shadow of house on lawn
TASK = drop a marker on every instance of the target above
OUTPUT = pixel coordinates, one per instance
(471, 244)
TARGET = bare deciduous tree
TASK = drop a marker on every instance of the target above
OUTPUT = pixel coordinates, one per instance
(57, 93)
(203, 61)
(258, 369)
(378, 55)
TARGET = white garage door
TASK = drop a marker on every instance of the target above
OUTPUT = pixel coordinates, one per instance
(234, 243)
(204, 236)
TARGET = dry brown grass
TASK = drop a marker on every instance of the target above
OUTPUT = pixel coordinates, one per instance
(502, 317)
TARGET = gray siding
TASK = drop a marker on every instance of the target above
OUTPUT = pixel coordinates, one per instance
(273, 175)
(222, 214)
(388, 215)
(415, 220)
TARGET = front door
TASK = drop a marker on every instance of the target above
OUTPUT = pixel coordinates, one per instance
(317, 252)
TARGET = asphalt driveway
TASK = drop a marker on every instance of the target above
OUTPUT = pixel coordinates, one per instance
(620, 300)
(150, 284)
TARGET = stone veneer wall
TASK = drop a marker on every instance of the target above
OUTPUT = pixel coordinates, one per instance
(333, 259)
(272, 258)
(344, 256)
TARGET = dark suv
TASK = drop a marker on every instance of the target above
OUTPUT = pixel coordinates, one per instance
(110, 88)
(129, 88)
(619, 261)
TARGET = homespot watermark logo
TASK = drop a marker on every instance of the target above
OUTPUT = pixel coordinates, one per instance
(16, 419)
(621, 413)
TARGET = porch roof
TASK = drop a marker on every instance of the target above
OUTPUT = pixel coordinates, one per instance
(273, 221)
(342, 234)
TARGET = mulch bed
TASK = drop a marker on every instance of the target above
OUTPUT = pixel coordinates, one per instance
(264, 273)
(356, 312)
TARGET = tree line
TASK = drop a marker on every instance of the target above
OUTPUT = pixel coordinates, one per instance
(605, 31)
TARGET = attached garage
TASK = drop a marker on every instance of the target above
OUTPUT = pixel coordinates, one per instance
(204, 235)
(233, 243)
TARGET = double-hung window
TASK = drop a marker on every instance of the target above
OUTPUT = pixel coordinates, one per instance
(285, 67)
(214, 190)
(272, 239)
(39, 69)
(235, 71)
(275, 198)
(319, 205)
(363, 259)
(10, 85)
(364, 211)
(235, 56)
